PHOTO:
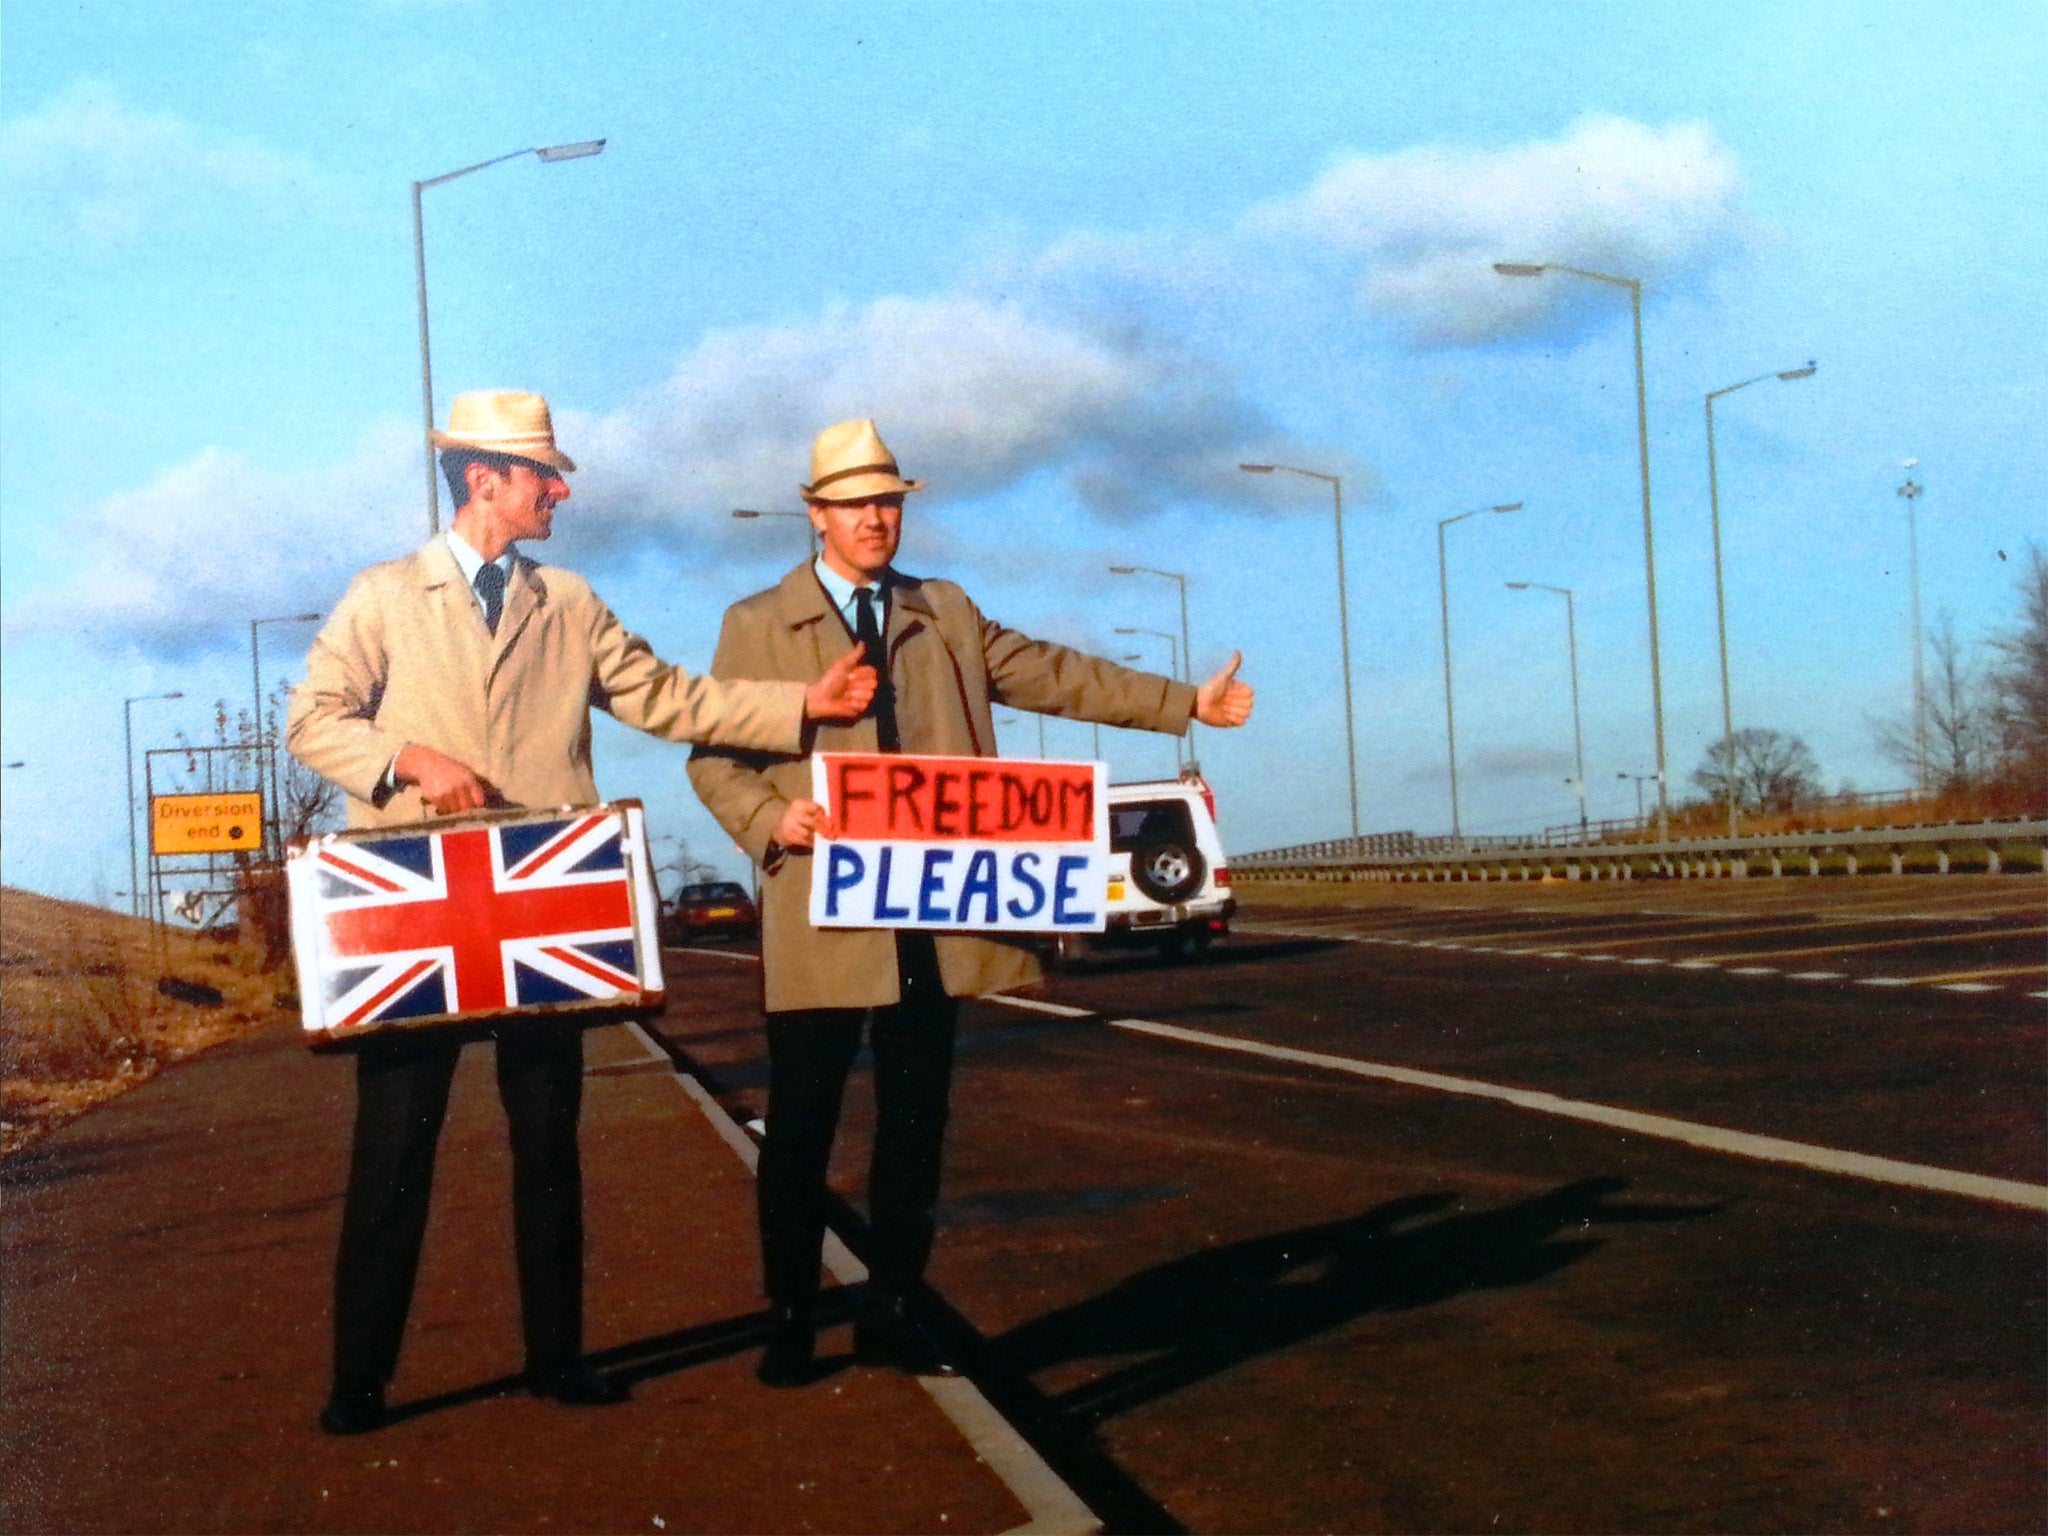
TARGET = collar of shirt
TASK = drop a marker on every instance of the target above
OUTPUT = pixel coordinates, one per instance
(472, 562)
(841, 591)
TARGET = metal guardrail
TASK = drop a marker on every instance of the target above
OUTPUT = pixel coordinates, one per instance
(1404, 856)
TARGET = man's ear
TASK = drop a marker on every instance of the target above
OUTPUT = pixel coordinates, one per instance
(476, 476)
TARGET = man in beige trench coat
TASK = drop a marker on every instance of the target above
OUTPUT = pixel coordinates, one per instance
(457, 677)
(942, 667)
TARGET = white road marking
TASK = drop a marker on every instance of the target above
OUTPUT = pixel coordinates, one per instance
(1815, 975)
(1884, 981)
(1695, 965)
(1037, 1005)
(1052, 1505)
(1752, 970)
(1772, 1149)
(1644, 960)
(1599, 957)
(1966, 986)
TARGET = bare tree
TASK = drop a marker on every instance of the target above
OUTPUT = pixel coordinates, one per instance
(1962, 733)
(2019, 684)
(1766, 770)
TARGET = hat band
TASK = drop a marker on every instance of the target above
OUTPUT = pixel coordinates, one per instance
(858, 469)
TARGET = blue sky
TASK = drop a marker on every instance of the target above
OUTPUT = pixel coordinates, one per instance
(1080, 261)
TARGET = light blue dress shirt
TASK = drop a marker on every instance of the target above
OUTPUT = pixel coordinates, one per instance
(841, 591)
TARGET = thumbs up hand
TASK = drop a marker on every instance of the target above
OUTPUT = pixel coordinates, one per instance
(1223, 701)
(844, 692)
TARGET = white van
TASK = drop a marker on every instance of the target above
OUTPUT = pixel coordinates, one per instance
(1169, 884)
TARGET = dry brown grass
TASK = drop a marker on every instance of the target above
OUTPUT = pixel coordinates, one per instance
(80, 1016)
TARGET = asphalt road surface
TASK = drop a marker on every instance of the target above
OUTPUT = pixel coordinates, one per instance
(1394, 1215)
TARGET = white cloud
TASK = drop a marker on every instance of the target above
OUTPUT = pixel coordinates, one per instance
(103, 173)
(184, 562)
(974, 395)
(1424, 226)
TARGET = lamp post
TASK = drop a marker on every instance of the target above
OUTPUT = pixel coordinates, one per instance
(810, 532)
(1336, 485)
(1443, 589)
(1635, 298)
(1912, 491)
(1187, 655)
(128, 738)
(1641, 779)
(256, 700)
(1571, 632)
(1720, 600)
(1173, 653)
(1134, 656)
(550, 155)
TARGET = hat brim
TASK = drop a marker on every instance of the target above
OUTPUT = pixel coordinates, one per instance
(538, 450)
(861, 487)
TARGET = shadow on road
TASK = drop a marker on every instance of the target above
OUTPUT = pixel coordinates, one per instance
(1196, 1317)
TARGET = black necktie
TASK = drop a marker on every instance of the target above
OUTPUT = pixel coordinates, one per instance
(490, 586)
(869, 633)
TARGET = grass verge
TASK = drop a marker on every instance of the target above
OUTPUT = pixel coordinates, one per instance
(81, 1019)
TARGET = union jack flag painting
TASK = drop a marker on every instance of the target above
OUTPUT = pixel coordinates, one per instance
(510, 913)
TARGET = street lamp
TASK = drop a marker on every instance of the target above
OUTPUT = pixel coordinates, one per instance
(550, 154)
(810, 531)
(1641, 779)
(1187, 655)
(128, 737)
(1336, 485)
(1720, 601)
(256, 699)
(1443, 589)
(1635, 297)
(1173, 653)
(1571, 631)
(1912, 491)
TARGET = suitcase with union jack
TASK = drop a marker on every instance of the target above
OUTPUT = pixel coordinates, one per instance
(506, 914)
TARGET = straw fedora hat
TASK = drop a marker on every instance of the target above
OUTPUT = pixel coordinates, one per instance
(503, 421)
(850, 462)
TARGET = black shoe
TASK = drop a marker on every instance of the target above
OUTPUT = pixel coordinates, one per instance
(576, 1386)
(787, 1359)
(886, 1334)
(354, 1410)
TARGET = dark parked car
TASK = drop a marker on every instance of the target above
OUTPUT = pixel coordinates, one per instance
(713, 909)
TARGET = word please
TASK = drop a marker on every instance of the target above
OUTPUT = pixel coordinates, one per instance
(915, 885)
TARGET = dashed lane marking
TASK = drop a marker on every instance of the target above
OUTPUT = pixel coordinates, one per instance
(1966, 986)
(1702, 963)
(1770, 1149)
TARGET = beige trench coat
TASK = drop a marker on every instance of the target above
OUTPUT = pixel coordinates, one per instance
(949, 664)
(406, 657)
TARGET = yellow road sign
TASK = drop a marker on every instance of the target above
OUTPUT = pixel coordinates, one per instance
(205, 823)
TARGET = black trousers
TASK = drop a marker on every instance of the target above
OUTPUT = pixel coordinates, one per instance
(401, 1100)
(810, 1052)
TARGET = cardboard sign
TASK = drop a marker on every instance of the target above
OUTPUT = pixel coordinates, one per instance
(960, 844)
(205, 823)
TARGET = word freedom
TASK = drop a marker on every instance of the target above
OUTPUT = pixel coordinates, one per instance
(960, 843)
